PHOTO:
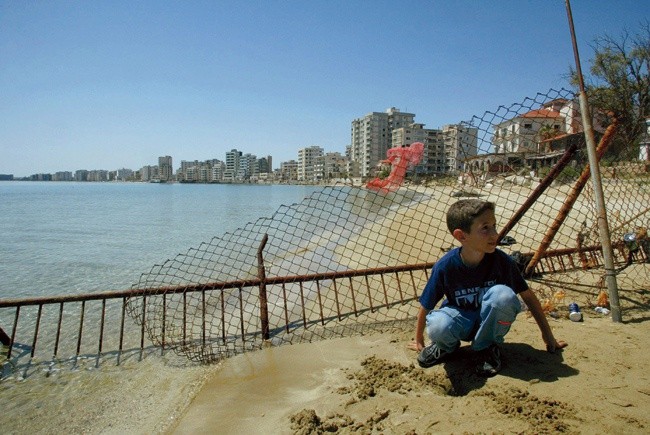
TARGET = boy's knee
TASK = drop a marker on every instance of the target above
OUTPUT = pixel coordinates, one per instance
(438, 324)
(501, 296)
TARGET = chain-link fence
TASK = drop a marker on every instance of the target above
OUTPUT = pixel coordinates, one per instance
(352, 258)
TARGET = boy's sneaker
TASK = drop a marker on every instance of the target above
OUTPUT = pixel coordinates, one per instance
(432, 355)
(489, 362)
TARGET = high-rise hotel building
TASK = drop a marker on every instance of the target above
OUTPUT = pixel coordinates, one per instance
(372, 137)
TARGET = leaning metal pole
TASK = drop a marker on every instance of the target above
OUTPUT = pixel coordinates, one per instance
(603, 227)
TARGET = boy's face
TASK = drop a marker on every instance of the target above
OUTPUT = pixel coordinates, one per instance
(483, 233)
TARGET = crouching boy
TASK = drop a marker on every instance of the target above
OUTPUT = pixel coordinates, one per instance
(480, 284)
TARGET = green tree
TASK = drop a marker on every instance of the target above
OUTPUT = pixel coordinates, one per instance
(619, 83)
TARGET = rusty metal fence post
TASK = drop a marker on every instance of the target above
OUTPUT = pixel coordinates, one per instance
(261, 274)
(603, 226)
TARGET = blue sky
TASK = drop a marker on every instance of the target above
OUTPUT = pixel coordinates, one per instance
(112, 84)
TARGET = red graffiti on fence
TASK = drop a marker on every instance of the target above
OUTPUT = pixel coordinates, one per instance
(400, 159)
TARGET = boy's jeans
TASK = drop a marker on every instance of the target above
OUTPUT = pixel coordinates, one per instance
(448, 325)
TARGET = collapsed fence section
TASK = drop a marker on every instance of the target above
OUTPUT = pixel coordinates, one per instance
(210, 322)
(213, 321)
(85, 326)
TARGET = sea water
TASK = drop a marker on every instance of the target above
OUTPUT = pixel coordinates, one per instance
(60, 238)
(65, 238)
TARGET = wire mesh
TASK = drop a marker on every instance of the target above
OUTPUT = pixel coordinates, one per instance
(289, 278)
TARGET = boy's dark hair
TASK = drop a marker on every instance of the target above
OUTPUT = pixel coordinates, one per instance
(462, 213)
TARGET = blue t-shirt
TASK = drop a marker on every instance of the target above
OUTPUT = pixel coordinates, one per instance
(465, 286)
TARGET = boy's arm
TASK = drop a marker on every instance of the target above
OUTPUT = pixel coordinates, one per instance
(538, 314)
(418, 343)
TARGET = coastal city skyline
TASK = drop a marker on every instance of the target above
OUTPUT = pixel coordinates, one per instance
(115, 85)
(241, 166)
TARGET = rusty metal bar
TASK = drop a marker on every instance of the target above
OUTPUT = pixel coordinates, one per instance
(336, 298)
(223, 318)
(101, 329)
(158, 291)
(241, 315)
(81, 326)
(144, 321)
(539, 190)
(203, 335)
(261, 275)
(286, 308)
(58, 330)
(354, 302)
(185, 317)
(164, 322)
(38, 323)
(302, 303)
(383, 285)
(415, 288)
(121, 344)
(372, 309)
(570, 200)
(320, 303)
(399, 287)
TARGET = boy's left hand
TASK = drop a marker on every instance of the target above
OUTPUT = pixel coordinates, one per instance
(413, 345)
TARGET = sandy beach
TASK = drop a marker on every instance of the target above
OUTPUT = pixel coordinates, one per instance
(372, 384)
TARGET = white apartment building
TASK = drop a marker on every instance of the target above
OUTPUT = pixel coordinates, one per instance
(372, 137)
(461, 143)
(62, 176)
(248, 169)
(185, 172)
(306, 161)
(190, 175)
(210, 171)
(524, 133)
(329, 166)
(434, 159)
(97, 175)
(445, 150)
(81, 175)
(124, 174)
(289, 170)
(217, 170)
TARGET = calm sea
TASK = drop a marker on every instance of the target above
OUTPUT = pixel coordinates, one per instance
(65, 237)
